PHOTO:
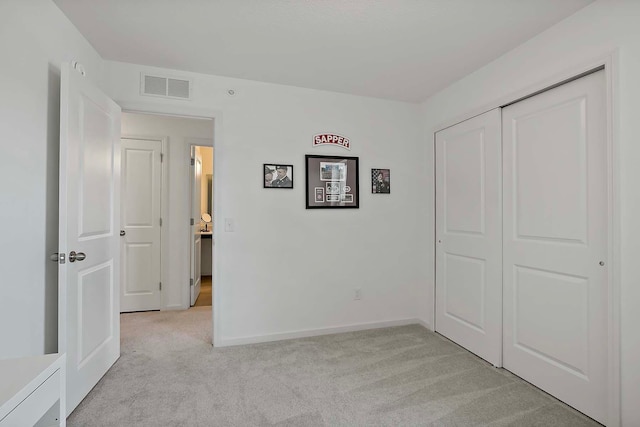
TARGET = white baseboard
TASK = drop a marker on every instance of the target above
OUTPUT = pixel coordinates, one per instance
(228, 342)
(173, 307)
(425, 324)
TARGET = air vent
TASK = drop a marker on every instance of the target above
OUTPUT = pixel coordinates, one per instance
(155, 86)
(178, 88)
(166, 87)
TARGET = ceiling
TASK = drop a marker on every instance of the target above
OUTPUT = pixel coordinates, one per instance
(403, 50)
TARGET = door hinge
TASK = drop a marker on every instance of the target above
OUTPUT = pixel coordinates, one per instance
(192, 221)
(190, 282)
(193, 162)
(160, 286)
(160, 222)
(161, 157)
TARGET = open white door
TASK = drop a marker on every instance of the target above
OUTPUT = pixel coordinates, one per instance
(469, 235)
(196, 212)
(89, 265)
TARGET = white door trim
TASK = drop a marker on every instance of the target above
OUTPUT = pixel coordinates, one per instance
(218, 159)
(610, 63)
(164, 209)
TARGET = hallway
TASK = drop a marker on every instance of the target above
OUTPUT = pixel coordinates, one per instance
(204, 299)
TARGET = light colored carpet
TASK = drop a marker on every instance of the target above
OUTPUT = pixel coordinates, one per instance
(169, 375)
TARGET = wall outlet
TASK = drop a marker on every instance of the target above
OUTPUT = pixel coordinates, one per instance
(358, 294)
(229, 226)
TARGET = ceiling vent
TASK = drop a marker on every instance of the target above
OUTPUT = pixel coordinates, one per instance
(165, 87)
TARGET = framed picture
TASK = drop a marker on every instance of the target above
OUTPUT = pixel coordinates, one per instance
(278, 176)
(381, 181)
(331, 182)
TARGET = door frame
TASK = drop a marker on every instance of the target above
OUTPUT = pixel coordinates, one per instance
(164, 207)
(216, 116)
(610, 64)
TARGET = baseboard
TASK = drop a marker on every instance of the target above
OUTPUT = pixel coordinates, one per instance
(425, 324)
(228, 342)
(173, 307)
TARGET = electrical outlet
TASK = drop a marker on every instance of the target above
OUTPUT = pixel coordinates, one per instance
(229, 226)
(358, 294)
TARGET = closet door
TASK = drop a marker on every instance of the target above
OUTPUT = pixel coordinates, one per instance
(556, 242)
(469, 235)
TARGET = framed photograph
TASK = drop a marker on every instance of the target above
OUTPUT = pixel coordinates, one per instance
(381, 181)
(331, 182)
(278, 176)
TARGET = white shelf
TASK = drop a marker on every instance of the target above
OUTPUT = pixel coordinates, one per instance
(29, 388)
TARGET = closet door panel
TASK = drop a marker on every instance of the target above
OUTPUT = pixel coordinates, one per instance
(556, 242)
(468, 235)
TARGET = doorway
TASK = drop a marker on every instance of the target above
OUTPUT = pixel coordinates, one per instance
(201, 233)
(89, 257)
(160, 145)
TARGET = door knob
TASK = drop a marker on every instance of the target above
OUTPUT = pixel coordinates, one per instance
(122, 232)
(73, 256)
(56, 257)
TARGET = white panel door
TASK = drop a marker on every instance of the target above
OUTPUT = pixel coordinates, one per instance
(196, 212)
(556, 243)
(469, 235)
(88, 311)
(141, 181)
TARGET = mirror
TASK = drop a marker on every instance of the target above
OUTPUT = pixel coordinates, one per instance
(209, 192)
(207, 220)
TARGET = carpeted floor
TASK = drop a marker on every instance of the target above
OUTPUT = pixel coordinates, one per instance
(169, 375)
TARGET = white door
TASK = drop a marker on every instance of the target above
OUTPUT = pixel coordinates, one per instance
(141, 181)
(556, 243)
(89, 225)
(469, 235)
(196, 213)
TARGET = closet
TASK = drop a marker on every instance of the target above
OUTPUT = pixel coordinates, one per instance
(522, 240)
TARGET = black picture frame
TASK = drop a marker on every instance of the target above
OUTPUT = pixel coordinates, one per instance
(332, 182)
(381, 181)
(272, 178)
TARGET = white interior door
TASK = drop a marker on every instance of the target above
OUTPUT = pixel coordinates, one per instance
(88, 312)
(141, 184)
(556, 243)
(469, 235)
(196, 212)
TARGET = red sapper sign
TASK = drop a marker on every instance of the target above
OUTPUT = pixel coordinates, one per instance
(331, 139)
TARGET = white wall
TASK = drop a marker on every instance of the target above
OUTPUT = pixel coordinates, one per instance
(594, 31)
(180, 132)
(285, 268)
(35, 38)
